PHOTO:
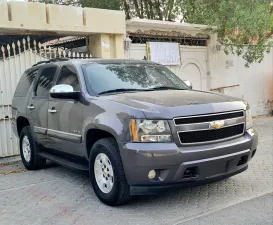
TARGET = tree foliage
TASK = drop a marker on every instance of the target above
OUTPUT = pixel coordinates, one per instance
(151, 9)
(102, 4)
(243, 26)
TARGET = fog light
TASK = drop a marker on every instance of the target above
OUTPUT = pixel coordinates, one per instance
(152, 174)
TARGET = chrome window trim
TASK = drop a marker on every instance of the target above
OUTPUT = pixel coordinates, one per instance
(205, 115)
(209, 142)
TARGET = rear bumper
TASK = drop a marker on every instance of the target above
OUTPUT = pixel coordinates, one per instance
(183, 166)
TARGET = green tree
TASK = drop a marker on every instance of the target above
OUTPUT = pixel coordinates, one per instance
(243, 26)
(102, 4)
(151, 9)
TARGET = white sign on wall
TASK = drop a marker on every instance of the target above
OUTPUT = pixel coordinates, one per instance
(165, 53)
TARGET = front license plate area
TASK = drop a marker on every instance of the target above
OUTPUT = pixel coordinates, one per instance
(216, 167)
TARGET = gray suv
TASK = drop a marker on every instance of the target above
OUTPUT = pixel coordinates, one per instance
(134, 125)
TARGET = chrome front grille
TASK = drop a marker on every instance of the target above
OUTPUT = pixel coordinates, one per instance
(208, 118)
(200, 130)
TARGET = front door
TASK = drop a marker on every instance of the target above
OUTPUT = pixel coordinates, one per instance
(38, 102)
(65, 117)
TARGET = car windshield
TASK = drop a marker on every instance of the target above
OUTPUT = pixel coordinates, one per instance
(125, 77)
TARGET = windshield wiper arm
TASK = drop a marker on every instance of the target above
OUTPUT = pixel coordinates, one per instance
(122, 90)
(166, 88)
(135, 89)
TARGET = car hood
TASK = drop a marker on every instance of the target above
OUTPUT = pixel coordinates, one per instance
(173, 103)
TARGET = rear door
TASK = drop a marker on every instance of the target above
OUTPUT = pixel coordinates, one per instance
(65, 117)
(21, 96)
(37, 108)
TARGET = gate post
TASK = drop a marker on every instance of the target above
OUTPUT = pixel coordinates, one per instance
(4, 16)
(106, 45)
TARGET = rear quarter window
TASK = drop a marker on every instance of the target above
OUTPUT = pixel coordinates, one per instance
(25, 83)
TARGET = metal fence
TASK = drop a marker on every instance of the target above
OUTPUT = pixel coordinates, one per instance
(14, 60)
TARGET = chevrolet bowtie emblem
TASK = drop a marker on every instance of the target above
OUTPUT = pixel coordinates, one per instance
(217, 124)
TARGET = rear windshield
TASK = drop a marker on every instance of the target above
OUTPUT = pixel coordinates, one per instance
(105, 77)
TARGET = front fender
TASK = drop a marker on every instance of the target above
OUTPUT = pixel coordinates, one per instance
(113, 118)
(101, 123)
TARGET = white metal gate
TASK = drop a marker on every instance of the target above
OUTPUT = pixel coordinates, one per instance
(193, 63)
(14, 60)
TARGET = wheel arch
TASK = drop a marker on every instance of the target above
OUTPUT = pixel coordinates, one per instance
(92, 135)
(21, 122)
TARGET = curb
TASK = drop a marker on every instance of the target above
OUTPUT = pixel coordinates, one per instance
(10, 160)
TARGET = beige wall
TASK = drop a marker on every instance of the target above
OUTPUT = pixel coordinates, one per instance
(254, 84)
(60, 19)
(136, 25)
(4, 12)
(104, 21)
(106, 28)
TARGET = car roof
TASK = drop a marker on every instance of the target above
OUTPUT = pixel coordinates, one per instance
(111, 61)
(60, 61)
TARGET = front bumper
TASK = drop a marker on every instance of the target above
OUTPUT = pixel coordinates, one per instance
(176, 166)
(155, 189)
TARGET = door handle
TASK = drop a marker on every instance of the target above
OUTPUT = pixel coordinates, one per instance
(53, 110)
(30, 107)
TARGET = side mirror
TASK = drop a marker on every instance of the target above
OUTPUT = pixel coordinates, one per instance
(64, 91)
(188, 83)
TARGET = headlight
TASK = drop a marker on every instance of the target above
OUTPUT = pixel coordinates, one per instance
(248, 119)
(150, 131)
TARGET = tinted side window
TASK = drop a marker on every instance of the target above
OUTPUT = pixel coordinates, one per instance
(68, 75)
(25, 83)
(45, 82)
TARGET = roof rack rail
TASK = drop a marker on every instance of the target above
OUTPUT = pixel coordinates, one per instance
(59, 59)
(51, 60)
(41, 62)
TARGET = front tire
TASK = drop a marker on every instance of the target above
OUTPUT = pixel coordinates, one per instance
(107, 174)
(29, 151)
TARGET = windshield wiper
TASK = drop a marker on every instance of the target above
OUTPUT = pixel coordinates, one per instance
(135, 89)
(166, 88)
(123, 90)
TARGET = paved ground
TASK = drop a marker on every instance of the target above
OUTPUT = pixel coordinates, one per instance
(246, 212)
(57, 195)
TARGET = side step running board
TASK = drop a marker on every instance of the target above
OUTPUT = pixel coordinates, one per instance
(63, 161)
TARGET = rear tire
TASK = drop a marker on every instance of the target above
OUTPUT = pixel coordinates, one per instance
(29, 150)
(106, 152)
